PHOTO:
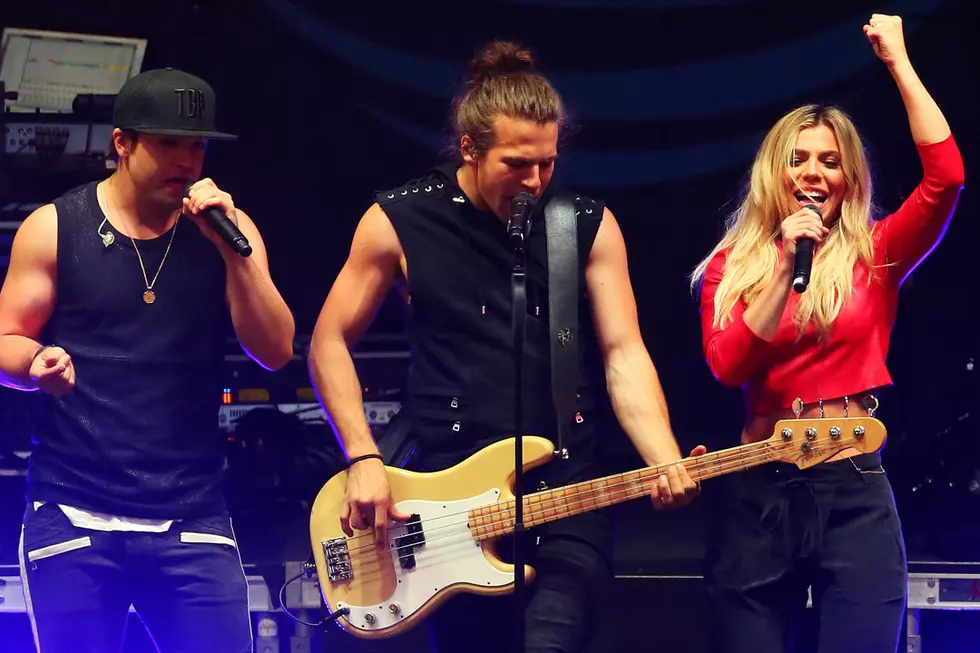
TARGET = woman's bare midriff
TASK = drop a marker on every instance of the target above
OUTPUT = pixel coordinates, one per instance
(762, 427)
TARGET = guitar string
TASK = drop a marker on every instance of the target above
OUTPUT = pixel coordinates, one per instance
(510, 504)
(741, 453)
(729, 463)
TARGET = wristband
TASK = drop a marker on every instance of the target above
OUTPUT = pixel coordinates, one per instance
(364, 457)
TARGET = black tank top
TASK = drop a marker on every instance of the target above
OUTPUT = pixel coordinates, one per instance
(458, 318)
(138, 434)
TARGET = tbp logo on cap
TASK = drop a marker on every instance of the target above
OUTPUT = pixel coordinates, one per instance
(190, 102)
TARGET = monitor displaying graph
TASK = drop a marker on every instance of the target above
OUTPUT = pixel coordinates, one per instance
(48, 69)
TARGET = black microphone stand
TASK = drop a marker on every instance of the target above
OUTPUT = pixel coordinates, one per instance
(519, 325)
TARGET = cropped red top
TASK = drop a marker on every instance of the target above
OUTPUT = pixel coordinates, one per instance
(852, 359)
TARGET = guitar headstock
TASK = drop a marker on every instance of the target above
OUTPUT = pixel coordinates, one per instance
(807, 442)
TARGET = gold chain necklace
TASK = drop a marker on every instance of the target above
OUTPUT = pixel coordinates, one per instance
(149, 296)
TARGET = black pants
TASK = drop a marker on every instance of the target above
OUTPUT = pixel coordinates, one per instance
(572, 558)
(778, 530)
(187, 585)
(573, 578)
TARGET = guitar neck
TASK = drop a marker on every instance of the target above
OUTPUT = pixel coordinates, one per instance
(551, 505)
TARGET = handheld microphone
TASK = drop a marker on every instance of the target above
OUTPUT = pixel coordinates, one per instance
(518, 224)
(228, 230)
(804, 257)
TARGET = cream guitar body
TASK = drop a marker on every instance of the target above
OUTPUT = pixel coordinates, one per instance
(459, 513)
(389, 590)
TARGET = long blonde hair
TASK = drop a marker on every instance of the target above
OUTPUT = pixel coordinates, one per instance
(753, 228)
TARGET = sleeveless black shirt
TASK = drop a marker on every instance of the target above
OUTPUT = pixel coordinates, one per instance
(138, 435)
(458, 318)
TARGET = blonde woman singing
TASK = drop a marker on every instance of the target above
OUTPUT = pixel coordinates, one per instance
(833, 527)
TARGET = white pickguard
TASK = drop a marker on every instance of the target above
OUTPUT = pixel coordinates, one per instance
(450, 556)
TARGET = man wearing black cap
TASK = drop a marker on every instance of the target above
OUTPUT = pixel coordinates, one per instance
(116, 309)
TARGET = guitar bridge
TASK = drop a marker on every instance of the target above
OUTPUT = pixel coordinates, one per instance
(407, 544)
(338, 559)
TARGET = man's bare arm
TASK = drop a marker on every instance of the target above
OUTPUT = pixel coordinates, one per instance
(27, 298)
(371, 270)
(631, 378)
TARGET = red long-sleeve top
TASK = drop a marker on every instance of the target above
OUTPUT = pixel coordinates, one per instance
(852, 359)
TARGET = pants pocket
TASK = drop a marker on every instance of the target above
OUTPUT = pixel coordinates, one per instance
(48, 533)
(742, 552)
(190, 537)
(865, 551)
(33, 555)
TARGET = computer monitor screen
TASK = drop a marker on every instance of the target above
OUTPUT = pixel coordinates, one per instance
(48, 69)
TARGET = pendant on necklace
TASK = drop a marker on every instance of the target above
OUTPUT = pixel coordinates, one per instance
(149, 296)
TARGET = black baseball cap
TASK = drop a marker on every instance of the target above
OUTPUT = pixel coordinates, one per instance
(168, 102)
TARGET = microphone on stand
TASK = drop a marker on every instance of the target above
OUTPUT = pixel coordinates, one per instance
(518, 228)
(804, 257)
(519, 222)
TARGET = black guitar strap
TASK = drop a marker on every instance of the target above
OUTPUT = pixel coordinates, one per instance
(563, 306)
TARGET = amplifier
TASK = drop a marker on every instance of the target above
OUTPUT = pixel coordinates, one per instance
(56, 138)
(378, 413)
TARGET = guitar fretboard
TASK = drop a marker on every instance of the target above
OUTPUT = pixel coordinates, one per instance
(550, 505)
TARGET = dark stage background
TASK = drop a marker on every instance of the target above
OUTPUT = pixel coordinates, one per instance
(333, 101)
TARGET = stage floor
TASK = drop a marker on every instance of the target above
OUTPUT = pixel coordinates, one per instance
(675, 600)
